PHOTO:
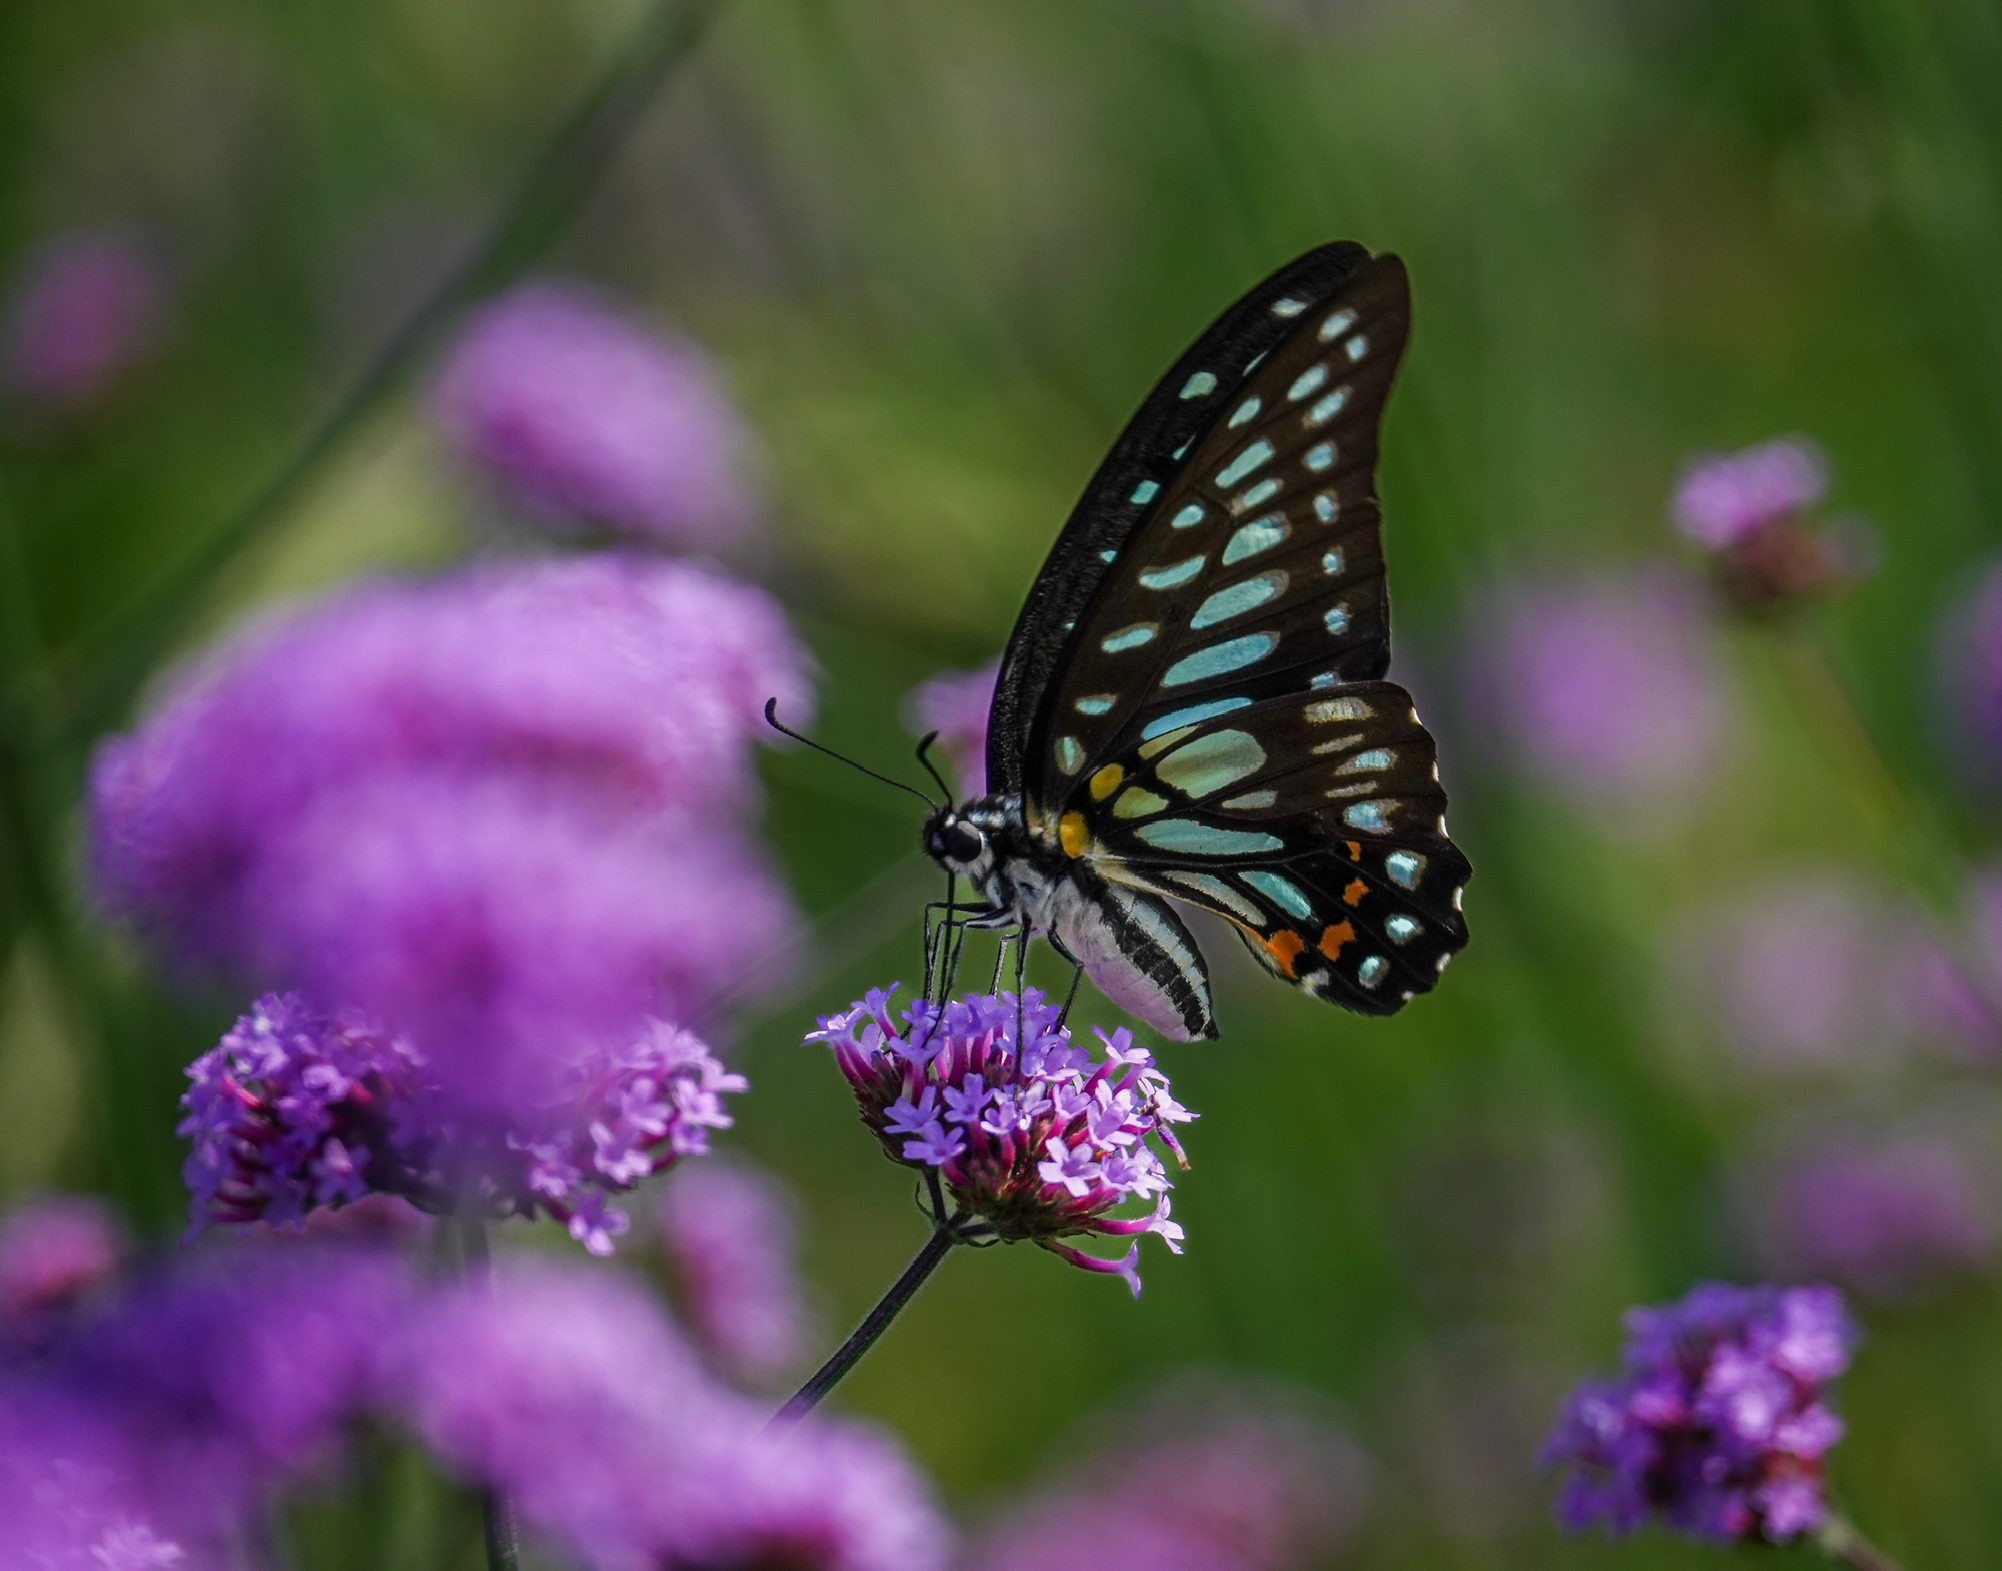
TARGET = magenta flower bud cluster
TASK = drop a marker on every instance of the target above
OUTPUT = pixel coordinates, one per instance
(1719, 1426)
(1022, 1126)
(294, 1111)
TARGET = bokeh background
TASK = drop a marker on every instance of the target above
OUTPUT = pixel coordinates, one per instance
(1730, 1005)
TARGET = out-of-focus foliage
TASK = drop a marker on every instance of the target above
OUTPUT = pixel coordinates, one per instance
(940, 248)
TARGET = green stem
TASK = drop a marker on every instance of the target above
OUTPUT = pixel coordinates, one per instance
(497, 1519)
(874, 1324)
(1838, 1539)
(549, 192)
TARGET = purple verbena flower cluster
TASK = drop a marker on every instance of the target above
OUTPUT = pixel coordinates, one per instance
(1718, 1427)
(727, 1231)
(587, 418)
(1750, 511)
(1027, 1132)
(294, 1111)
(505, 813)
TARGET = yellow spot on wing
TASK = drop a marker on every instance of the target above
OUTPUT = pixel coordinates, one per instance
(1106, 781)
(1072, 834)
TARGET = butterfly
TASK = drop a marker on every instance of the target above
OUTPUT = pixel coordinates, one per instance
(1191, 709)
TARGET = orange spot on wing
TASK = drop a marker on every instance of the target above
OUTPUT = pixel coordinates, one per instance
(1352, 896)
(1285, 947)
(1332, 939)
(1072, 834)
(1355, 849)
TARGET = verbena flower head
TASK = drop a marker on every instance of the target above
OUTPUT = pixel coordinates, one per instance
(1751, 512)
(1719, 1426)
(1212, 1480)
(1608, 692)
(86, 308)
(727, 1229)
(955, 705)
(294, 1111)
(587, 418)
(503, 813)
(573, 1394)
(53, 1249)
(1031, 1134)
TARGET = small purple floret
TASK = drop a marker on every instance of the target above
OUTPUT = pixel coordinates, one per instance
(1039, 1141)
(1718, 1427)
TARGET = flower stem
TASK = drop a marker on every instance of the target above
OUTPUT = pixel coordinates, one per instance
(541, 203)
(874, 1324)
(503, 1535)
(1838, 1539)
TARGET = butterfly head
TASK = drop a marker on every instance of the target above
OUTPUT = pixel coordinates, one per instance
(957, 844)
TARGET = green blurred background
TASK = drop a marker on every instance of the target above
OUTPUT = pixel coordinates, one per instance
(941, 247)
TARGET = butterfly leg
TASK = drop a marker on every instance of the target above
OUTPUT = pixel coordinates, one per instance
(1077, 975)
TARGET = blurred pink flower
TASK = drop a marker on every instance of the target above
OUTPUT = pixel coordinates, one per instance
(955, 705)
(586, 417)
(1607, 690)
(52, 1249)
(727, 1229)
(85, 309)
(1723, 497)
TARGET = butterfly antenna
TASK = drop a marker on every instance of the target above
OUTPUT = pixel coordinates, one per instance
(924, 757)
(772, 720)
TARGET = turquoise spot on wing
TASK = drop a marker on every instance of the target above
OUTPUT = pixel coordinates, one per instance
(1200, 385)
(1261, 534)
(1325, 679)
(1096, 704)
(1175, 720)
(1128, 638)
(1281, 891)
(1332, 563)
(1320, 456)
(1207, 764)
(1405, 868)
(1357, 347)
(1373, 762)
(1326, 507)
(1327, 408)
(1373, 970)
(1189, 515)
(1257, 453)
(1108, 556)
(1245, 411)
(1306, 382)
(1337, 325)
(1288, 306)
(1337, 620)
(1238, 599)
(1233, 654)
(1186, 835)
(1400, 929)
(1249, 498)
(1172, 577)
(1146, 491)
(1251, 801)
(1366, 816)
(1070, 754)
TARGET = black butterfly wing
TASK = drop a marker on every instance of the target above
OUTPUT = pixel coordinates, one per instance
(1125, 512)
(1313, 822)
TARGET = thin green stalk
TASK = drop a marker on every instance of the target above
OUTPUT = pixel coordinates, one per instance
(1838, 1539)
(497, 1518)
(548, 194)
(874, 1324)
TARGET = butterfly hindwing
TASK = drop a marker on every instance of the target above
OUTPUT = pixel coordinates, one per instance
(1315, 823)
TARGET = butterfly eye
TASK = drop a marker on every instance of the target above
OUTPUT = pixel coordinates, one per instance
(955, 841)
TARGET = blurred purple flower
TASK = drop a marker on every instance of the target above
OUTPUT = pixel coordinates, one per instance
(572, 1393)
(1038, 1140)
(502, 813)
(293, 1112)
(1230, 1482)
(1880, 1216)
(86, 307)
(1724, 497)
(1607, 690)
(955, 705)
(727, 1229)
(586, 417)
(1718, 1427)
(53, 1249)
(70, 1502)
